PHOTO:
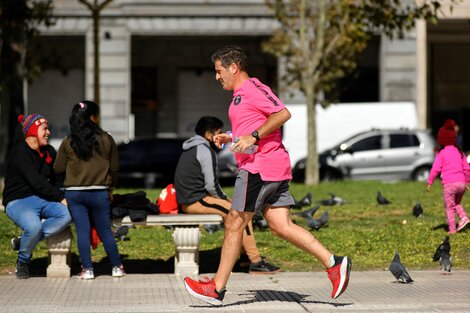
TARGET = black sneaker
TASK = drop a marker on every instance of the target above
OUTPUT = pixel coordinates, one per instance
(15, 243)
(22, 270)
(263, 267)
(244, 261)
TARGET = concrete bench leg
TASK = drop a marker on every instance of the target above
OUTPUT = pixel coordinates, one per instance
(59, 254)
(187, 250)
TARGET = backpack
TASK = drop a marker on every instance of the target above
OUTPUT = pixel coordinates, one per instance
(167, 200)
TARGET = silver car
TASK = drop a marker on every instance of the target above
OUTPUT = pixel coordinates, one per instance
(377, 154)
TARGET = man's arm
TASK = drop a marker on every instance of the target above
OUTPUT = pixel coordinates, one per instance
(274, 121)
(208, 163)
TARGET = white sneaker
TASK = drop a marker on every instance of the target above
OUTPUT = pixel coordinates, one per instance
(118, 271)
(87, 273)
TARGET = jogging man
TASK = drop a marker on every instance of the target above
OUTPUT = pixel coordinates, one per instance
(198, 190)
(257, 115)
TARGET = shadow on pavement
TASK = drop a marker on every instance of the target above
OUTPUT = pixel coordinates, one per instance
(266, 295)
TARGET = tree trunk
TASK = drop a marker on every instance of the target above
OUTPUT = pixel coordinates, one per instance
(13, 51)
(312, 175)
(96, 54)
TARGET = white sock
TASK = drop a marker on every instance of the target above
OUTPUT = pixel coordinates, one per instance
(332, 261)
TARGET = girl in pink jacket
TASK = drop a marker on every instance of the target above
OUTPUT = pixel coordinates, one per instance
(455, 175)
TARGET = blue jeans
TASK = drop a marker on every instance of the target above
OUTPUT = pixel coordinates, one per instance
(92, 205)
(28, 214)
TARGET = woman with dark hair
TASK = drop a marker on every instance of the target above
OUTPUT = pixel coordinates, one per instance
(89, 159)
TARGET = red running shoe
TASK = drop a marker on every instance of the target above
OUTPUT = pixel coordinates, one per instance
(339, 275)
(204, 290)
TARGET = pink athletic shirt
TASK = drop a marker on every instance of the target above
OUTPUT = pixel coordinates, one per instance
(452, 165)
(251, 106)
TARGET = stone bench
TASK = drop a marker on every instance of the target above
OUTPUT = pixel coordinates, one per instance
(186, 236)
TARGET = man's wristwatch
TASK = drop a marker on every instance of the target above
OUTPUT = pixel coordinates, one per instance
(255, 134)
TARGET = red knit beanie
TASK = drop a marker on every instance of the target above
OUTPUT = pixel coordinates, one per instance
(447, 135)
(31, 123)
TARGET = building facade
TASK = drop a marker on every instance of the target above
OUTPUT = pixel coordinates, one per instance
(157, 77)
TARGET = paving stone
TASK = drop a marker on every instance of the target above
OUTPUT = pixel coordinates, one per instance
(282, 292)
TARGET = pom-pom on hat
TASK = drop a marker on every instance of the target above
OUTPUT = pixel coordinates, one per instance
(447, 135)
(31, 123)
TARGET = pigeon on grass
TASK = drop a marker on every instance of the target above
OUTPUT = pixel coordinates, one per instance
(316, 224)
(121, 232)
(212, 228)
(381, 199)
(399, 271)
(418, 210)
(333, 200)
(259, 221)
(306, 200)
(310, 212)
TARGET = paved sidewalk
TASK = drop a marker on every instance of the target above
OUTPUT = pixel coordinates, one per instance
(282, 292)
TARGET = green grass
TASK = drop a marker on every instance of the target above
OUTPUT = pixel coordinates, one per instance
(367, 232)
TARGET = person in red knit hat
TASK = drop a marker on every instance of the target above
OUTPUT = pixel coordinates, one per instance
(452, 164)
(31, 197)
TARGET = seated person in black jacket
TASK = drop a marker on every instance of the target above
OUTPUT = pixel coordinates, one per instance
(31, 194)
(198, 190)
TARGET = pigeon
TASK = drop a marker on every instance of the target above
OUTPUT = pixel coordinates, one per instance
(327, 202)
(337, 200)
(445, 261)
(381, 199)
(307, 200)
(443, 247)
(324, 218)
(308, 213)
(333, 200)
(259, 221)
(418, 210)
(212, 228)
(318, 223)
(121, 232)
(399, 271)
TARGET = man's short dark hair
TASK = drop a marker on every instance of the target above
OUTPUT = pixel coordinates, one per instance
(231, 54)
(208, 123)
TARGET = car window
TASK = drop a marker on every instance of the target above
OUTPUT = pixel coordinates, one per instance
(369, 143)
(403, 141)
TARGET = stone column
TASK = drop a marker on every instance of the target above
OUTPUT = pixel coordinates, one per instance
(59, 254)
(187, 250)
(115, 77)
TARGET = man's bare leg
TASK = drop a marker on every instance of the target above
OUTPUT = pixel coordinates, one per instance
(235, 224)
(281, 225)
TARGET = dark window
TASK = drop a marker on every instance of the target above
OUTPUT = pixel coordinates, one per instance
(403, 141)
(369, 143)
(362, 85)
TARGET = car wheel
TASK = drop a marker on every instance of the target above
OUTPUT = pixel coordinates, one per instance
(422, 173)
